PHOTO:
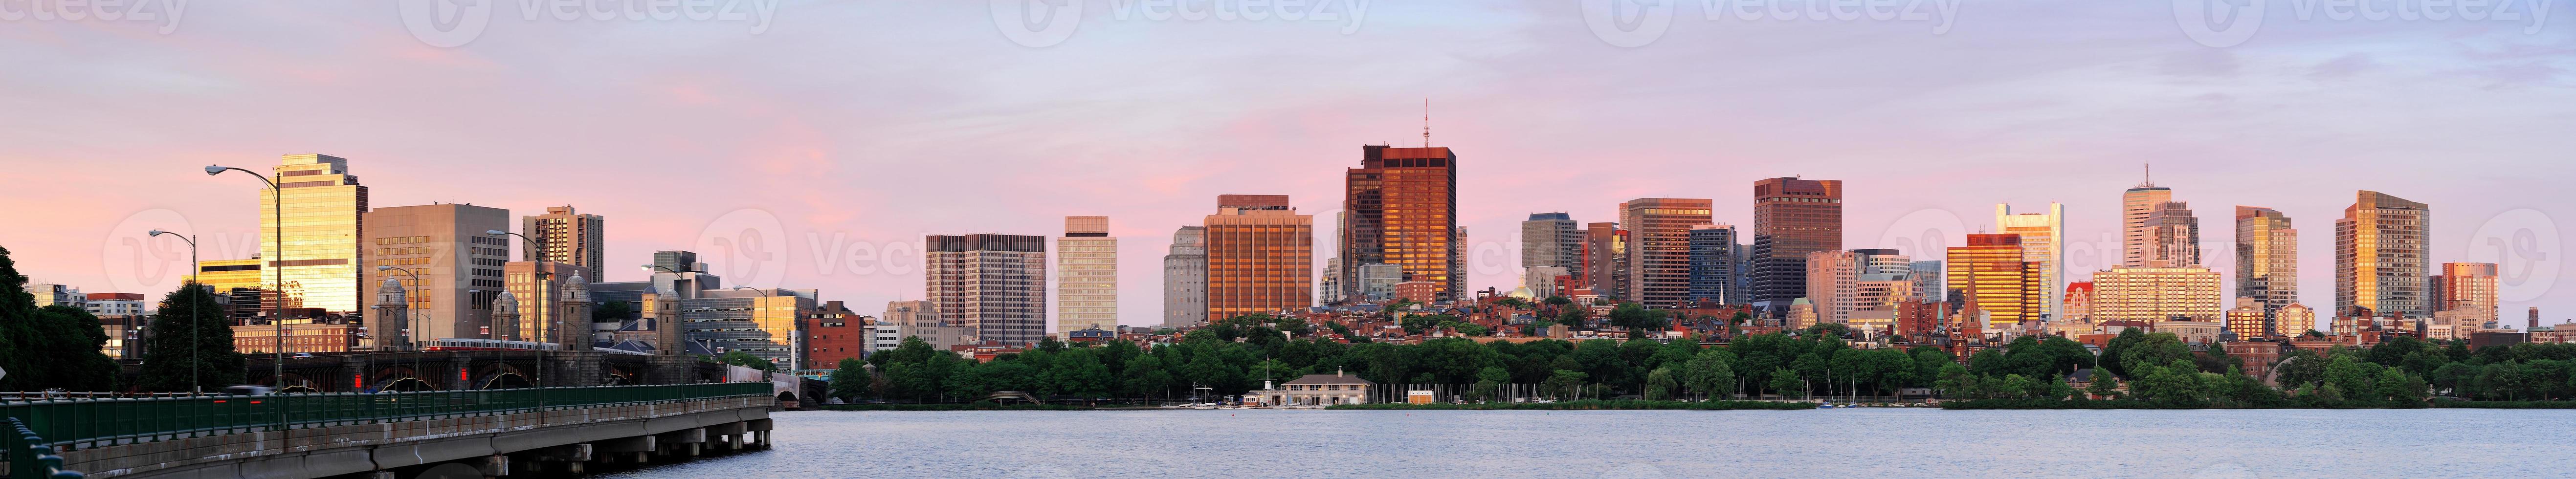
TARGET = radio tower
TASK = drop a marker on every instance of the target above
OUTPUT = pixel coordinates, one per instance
(1426, 123)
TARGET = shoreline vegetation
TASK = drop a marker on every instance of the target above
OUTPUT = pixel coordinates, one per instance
(1588, 405)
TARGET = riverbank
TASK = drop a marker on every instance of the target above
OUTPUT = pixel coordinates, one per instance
(2044, 404)
(1590, 406)
(981, 406)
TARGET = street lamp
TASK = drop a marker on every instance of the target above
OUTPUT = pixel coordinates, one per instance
(277, 273)
(196, 350)
(544, 283)
(795, 334)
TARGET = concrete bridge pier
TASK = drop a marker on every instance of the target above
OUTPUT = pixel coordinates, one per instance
(685, 442)
(567, 459)
(639, 448)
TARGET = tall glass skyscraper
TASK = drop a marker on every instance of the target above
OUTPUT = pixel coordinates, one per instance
(2383, 255)
(323, 266)
(1659, 248)
(1712, 264)
(1401, 208)
(2043, 240)
(2267, 259)
(1086, 276)
(1792, 217)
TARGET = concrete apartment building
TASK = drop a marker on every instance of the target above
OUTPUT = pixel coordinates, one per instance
(1086, 276)
(1260, 257)
(449, 270)
(1185, 276)
(994, 284)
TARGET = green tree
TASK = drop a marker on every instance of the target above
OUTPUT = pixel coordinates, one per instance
(2104, 385)
(1660, 384)
(191, 345)
(1566, 384)
(1784, 380)
(1711, 372)
(70, 344)
(739, 358)
(851, 380)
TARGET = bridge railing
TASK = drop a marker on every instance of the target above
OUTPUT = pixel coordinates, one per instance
(74, 424)
(29, 456)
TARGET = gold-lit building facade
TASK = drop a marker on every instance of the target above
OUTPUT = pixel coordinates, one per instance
(2157, 294)
(1260, 256)
(2267, 258)
(2043, 241)
(1401, 208)
(566, 235)
(1659, 247)
(768, 323)
(323, 264)
(1991, 275)
(2383, 255)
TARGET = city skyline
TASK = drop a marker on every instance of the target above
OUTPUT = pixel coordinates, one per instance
(2285, 122)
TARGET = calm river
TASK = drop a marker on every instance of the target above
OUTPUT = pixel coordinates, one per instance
(1648, 444)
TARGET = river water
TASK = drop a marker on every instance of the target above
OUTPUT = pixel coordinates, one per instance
(1651, 444)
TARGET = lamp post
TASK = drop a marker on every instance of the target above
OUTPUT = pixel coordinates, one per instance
(196, 351)
(551, 314)
(795, 333)
(277, 273)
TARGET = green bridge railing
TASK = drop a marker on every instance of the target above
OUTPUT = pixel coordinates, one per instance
(74, 424)
(30, 457)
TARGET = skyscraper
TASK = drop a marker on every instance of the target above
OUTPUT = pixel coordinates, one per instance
(2043, 240)
(1992, 276)
(1403, 210)
(1185, 275)
(993, 284)
(2135, 205)
(1712, 264)
(459, 268)
(1086, 276)
(324, 267)
(1551, 245)
(567, 236)
(540, 287)
(2383, 251)
(1260, 256)
(1792, 217)
(2267, 258)
(1836, 280)
(1928, 284)
(2173, 236)
(1659, 248)
(1605, 247)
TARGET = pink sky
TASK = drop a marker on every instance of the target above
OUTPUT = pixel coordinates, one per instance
(877, 122)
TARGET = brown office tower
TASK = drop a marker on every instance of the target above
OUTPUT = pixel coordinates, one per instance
(993, 284)
(1604, 247)
(1402, 209)
(566, 236)
(1260, 257)
(1792, 217)
(1659, 247)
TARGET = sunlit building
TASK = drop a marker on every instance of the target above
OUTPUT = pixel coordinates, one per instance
(2383, 251)
(2293, 320)
(2157, 294)
(1086, 276)
(2043, 241)
(1605, 252)
(1659, 247)
(1991, 275)
(1402, 207)
(2267, 258)
(2173, 236)
(564, 235)
(2468, 291)
(2135, 206)
(324, 266)
(1261, 257)
(459, 269)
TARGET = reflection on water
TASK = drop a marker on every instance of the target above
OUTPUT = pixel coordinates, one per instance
(1238, 444)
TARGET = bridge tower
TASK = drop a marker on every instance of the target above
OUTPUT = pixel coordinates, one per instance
(393, 315)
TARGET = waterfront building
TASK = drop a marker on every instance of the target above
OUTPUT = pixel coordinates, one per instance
(564, 235)
(2043, 241)
(1402, 207)
(2383, 251)
(1550, 240)
(994, 284)
(1659, 247)
(2157, 294)
(2468, 291)
(2267, 258)
(1791, 218)
(1185, 278)
(1086, 276)
(1261, 257)
(542, 288)
(1319, 390)
(770, 323)
(1991, 276)
(454, 269)
(2247, 321)
(835, 333)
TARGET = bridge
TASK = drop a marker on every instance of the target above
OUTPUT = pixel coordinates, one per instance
(487, 369)
(385, 435)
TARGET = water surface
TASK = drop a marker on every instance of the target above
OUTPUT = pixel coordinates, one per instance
(1644, 444)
